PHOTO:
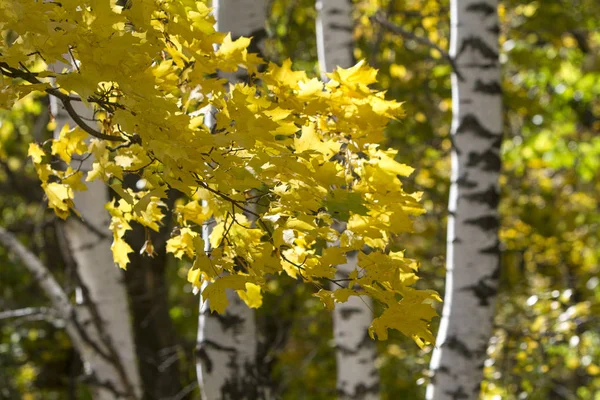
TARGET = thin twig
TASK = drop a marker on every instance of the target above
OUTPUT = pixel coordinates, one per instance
(383, 21)
(29, 311)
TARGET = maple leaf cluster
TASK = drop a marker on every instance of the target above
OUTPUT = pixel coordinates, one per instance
(284, 157)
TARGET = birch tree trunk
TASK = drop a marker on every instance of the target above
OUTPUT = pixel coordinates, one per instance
(101, 293)
(357, 376)
(334, 34)
(104, 372)
(226, 363)
(473, 255)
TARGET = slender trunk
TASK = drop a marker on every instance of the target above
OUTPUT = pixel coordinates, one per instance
(226, 354)
(101, 290)
(227, 344)
(103, 367)
(147, 285)
(357, 376)
(473, 255)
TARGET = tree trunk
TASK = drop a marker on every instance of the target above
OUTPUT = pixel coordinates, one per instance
(227, 344)
(335, 43)
(357, 376)
(101, 290)
(103, 367)
(473, 255)
(148, 288)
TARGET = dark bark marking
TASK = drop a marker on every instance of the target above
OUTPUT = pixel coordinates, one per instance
(491, 88)
(214, 345)
(483, 8)
(490, 159)
(202, 353)
(360, 391)
(493, 249)
(479, 65)
(457, 345)
(205, 360)
(479, 45)
(228, 321)
(258, 36)
(465, 183)
(344, 28)
(483, 291)
(364, 343)
(487, 223)
(491, 197)
(497, 271)
(442, 369)
(470, 123)
(494, 29)
(457, 394)
(246, 384)
(348, 312)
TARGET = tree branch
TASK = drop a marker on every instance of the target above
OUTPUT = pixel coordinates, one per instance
(63, 307)
(65, 98)
(33, 313)
(386, 23)
(49, 285)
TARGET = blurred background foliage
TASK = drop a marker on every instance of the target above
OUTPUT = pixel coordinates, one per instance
(546, 343)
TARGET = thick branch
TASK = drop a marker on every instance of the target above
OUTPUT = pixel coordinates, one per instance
(65, 98)
(41, 273)
(61, 304)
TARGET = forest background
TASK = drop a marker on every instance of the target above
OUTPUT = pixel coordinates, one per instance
(545, 342)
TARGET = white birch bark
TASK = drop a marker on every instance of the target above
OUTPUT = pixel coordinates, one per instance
(108, 379)
(102, 293)
(473, 256)
(357, 376)
(334, 28)
(241, 18)
(226, 354)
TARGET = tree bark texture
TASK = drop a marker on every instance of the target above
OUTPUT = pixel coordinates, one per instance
(473, 254)
(334, 28)
(147, 285)
(226, 353)
(357, 376)
(101, 292)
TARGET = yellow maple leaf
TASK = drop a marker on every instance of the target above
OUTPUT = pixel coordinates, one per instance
(284, 75)
(326, 298)
(310, 89)
(410, 316)
(215, 293)
(251, 296)
(230, 47)
(36, 153)
(311, 140)
(60, 198)
(358, 74)
(183, 243)
(120, 250)
(69, 142)
(342, 295)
